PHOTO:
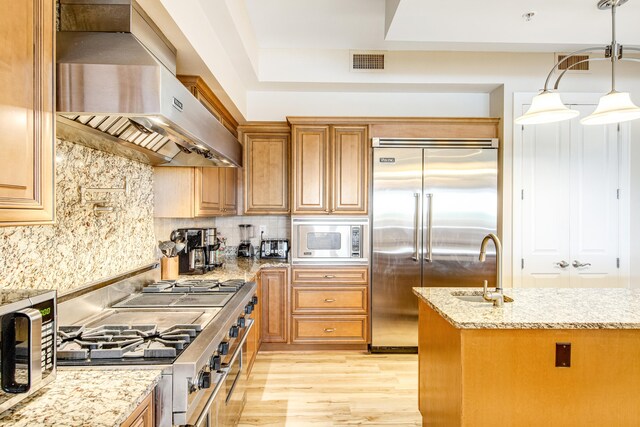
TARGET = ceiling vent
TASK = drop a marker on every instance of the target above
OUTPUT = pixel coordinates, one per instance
(574, 63)
(367, 61)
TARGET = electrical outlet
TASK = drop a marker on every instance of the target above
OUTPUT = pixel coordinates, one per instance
(263, 230)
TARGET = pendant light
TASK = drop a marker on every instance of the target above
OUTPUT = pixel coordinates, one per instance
(614, 107)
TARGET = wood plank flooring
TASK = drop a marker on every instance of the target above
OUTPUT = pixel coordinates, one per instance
(332, 389)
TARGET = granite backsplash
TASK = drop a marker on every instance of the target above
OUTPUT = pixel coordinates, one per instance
(81, 247)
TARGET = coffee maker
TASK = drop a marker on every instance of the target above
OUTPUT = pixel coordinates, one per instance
(193, 259)
(213, 244)
(245, 248)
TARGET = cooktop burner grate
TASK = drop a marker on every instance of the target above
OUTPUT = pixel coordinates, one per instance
(113, 344)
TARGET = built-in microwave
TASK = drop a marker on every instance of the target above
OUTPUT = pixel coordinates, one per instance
(27, 343)
(330, 240)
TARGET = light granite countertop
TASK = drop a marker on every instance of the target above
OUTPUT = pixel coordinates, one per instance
(84, 397)
(540, 308)
(238, 268)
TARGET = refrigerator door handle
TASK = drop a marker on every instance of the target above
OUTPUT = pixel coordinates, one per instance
(416, 229)
(429, 252)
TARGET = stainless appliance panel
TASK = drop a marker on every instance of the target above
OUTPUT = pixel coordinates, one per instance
(460, 192)
(397, 243)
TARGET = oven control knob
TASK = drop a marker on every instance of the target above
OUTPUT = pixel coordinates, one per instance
(248, 309)
(233, 332)
(241, 322)
(204, 379)
(223, 348)
(215, 362)
(254, 300)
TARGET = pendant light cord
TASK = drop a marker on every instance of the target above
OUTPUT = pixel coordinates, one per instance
(614, 46)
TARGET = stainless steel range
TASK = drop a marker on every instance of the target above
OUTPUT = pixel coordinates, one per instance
(194, 330)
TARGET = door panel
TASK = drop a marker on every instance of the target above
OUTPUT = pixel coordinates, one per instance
(397, 176)
(545, 206)
(350, 189)
(460, 195)
(594, 203)
(310, 177)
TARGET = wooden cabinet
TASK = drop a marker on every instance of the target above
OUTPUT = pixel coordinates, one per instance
(205, 95)
(330, 169)
(329, 330)
(275, 309)
(27, 104)
(266, 168)
(330, 305)
(194, 192)
(329, 299)
(143, 415)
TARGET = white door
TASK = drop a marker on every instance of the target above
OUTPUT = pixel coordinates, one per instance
(594, 204)
(569, 204)
(545, 195)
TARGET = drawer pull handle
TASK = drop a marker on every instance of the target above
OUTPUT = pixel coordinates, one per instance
(329, 276)
(329, 330)
(329, 300)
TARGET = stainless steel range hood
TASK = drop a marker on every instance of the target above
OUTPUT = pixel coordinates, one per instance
(117, 90)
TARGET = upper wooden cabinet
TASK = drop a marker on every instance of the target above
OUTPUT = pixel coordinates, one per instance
(27, 104)
(266, 168)
(330, 169)
(205, 95)
(194, 192)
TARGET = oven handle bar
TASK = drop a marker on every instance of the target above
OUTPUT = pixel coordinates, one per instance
(223, 378)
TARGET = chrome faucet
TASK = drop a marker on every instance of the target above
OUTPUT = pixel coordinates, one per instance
(498, 296)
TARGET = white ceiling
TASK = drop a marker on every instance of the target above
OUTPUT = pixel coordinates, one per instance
(492, 25)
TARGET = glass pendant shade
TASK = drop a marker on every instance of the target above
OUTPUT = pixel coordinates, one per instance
(546, 107)
(614, 107)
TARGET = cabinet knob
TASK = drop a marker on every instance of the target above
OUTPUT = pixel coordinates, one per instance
(329, 276)
(329, 300)
(329, 330)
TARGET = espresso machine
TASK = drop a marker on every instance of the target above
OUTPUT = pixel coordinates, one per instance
(245, 248)
(193, 259)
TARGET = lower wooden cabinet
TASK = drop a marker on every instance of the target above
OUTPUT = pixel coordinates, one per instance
(275, 309)
(143, 415)
(252, 344)
(329, 300)
(329, 330)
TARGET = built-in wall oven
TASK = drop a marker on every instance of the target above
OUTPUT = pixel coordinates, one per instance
(330, 240)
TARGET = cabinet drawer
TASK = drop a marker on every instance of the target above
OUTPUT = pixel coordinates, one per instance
(345, 300)
(342, 276)
(318, 330)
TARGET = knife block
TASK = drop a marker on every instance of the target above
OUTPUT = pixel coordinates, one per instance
(169, 268)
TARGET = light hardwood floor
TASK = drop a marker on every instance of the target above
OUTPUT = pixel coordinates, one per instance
(332, 389)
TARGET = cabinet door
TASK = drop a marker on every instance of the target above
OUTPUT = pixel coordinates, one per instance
(349, 159)
(275, 313)
(266, 168)
(208, 186)
(310, 169)
(229, 190)
(27, 58)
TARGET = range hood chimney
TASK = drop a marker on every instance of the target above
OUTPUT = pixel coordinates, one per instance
(117, 90)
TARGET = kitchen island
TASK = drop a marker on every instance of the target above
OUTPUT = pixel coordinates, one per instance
(557, 357)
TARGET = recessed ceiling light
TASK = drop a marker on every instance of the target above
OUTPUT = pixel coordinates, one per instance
(528, 16)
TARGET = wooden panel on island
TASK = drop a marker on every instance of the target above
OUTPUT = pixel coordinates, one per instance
(490, 377)
(143, 415)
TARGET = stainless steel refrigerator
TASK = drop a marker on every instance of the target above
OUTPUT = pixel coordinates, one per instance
(433, 202)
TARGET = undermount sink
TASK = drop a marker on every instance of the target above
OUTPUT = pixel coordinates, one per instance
(475, 297)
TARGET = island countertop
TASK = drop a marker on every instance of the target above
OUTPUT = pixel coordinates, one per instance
(84, 397)
(539, 308)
